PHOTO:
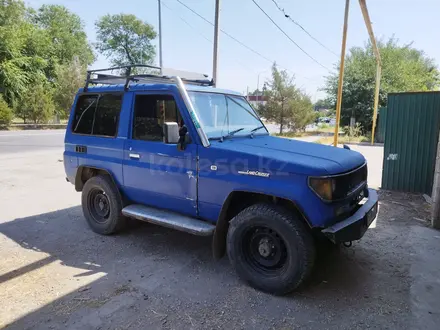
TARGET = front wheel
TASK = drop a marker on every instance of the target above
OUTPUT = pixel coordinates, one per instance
(270, 248)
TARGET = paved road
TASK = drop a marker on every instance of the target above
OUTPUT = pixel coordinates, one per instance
(37, 140)
(30, 141)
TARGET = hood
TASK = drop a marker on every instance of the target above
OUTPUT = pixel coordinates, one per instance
(297, 156)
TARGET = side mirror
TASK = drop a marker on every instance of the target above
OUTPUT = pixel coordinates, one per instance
(184, 138)
(171, 132)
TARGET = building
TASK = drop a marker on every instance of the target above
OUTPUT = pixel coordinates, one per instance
(256, 100)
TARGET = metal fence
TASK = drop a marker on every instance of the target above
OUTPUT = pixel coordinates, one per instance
(411, 133)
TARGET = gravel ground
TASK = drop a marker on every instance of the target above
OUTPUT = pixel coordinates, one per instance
(56, 273)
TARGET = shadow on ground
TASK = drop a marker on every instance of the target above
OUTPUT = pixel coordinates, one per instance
(153, 277)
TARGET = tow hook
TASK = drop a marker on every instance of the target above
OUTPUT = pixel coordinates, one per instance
(347, 244)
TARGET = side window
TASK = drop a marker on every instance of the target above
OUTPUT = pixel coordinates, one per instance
(107, 115)
(97, 115)
(150, 113)
(84, 113)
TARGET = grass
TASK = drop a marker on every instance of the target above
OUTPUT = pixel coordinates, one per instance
(295, 134)
(343, 139)
(30, 122)
(325, 129)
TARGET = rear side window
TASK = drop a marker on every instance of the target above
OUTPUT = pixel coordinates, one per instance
(97, 114)
(84, 113)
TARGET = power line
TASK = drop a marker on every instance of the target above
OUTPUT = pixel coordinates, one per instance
(279, 28)
(301, 27)
(186, 22)
(238, 41)
(225, 33)
(201, 34)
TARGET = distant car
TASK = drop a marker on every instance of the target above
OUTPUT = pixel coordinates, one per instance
(179, 153)
(323, 120)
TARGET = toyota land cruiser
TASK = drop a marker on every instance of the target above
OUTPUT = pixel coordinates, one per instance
(177, 152)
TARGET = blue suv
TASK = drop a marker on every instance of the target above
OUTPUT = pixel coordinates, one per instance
(177, 152)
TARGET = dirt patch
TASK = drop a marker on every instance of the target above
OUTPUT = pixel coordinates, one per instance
(404, 208)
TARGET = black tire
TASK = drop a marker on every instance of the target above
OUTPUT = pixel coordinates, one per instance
(285, 253)
(100, 191)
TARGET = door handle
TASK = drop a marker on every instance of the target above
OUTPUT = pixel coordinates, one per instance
(135, 156)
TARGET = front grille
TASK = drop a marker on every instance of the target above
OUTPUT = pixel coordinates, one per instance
(346, 184)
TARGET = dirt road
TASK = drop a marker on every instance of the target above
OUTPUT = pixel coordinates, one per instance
(55, 273)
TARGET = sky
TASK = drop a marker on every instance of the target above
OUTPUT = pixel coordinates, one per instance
(187, 39)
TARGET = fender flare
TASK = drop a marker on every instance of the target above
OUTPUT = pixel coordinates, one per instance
(79, 184)
(222, 225)
(221, 230)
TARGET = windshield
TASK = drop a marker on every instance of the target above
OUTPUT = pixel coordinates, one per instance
(225, 115)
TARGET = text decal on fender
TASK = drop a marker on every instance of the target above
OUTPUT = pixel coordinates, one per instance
(255, 173)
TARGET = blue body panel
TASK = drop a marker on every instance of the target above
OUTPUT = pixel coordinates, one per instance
(286, 180)
(198, 181)
(162, 177)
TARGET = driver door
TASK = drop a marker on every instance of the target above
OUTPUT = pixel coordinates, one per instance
(156, 173)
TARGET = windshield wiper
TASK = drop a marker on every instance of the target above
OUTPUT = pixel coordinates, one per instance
(257, 128)
(232, 133)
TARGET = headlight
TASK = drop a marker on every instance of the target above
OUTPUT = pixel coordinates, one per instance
(339, 187)
(323, 187)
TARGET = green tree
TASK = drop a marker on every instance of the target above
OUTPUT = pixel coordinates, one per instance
(67, 38)
(323, 104)
(33, 44)
(286, 105)
(11, 12)
(37, 104)
(258, 92)
(125, 39)
(404, 69)
(19, 50)
(69, 77)
(5, 113)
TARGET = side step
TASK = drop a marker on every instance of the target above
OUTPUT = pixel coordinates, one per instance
(169, 219)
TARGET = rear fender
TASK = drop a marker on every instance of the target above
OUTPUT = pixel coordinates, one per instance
(86, 172)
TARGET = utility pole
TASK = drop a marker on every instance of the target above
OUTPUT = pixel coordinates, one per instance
(258, 87)
(341, 74)
(216, 29)
(160, 36)
(367, 20)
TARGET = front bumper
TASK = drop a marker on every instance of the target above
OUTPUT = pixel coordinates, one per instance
(355, 226)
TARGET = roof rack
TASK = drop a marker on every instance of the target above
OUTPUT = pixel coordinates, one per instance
(164, 76)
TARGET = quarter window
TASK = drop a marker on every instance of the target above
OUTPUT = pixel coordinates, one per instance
(97, 114)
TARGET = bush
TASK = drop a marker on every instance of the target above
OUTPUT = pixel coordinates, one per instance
(5, 113)
(353, 132)
(37, 104)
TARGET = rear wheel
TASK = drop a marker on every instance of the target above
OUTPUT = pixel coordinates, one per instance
(102, 205)
(270, 248)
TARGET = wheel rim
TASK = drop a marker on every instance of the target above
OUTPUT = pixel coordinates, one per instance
(99, 205)
(264, 250)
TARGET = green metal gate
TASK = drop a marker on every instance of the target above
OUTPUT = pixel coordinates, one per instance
(411, 134)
